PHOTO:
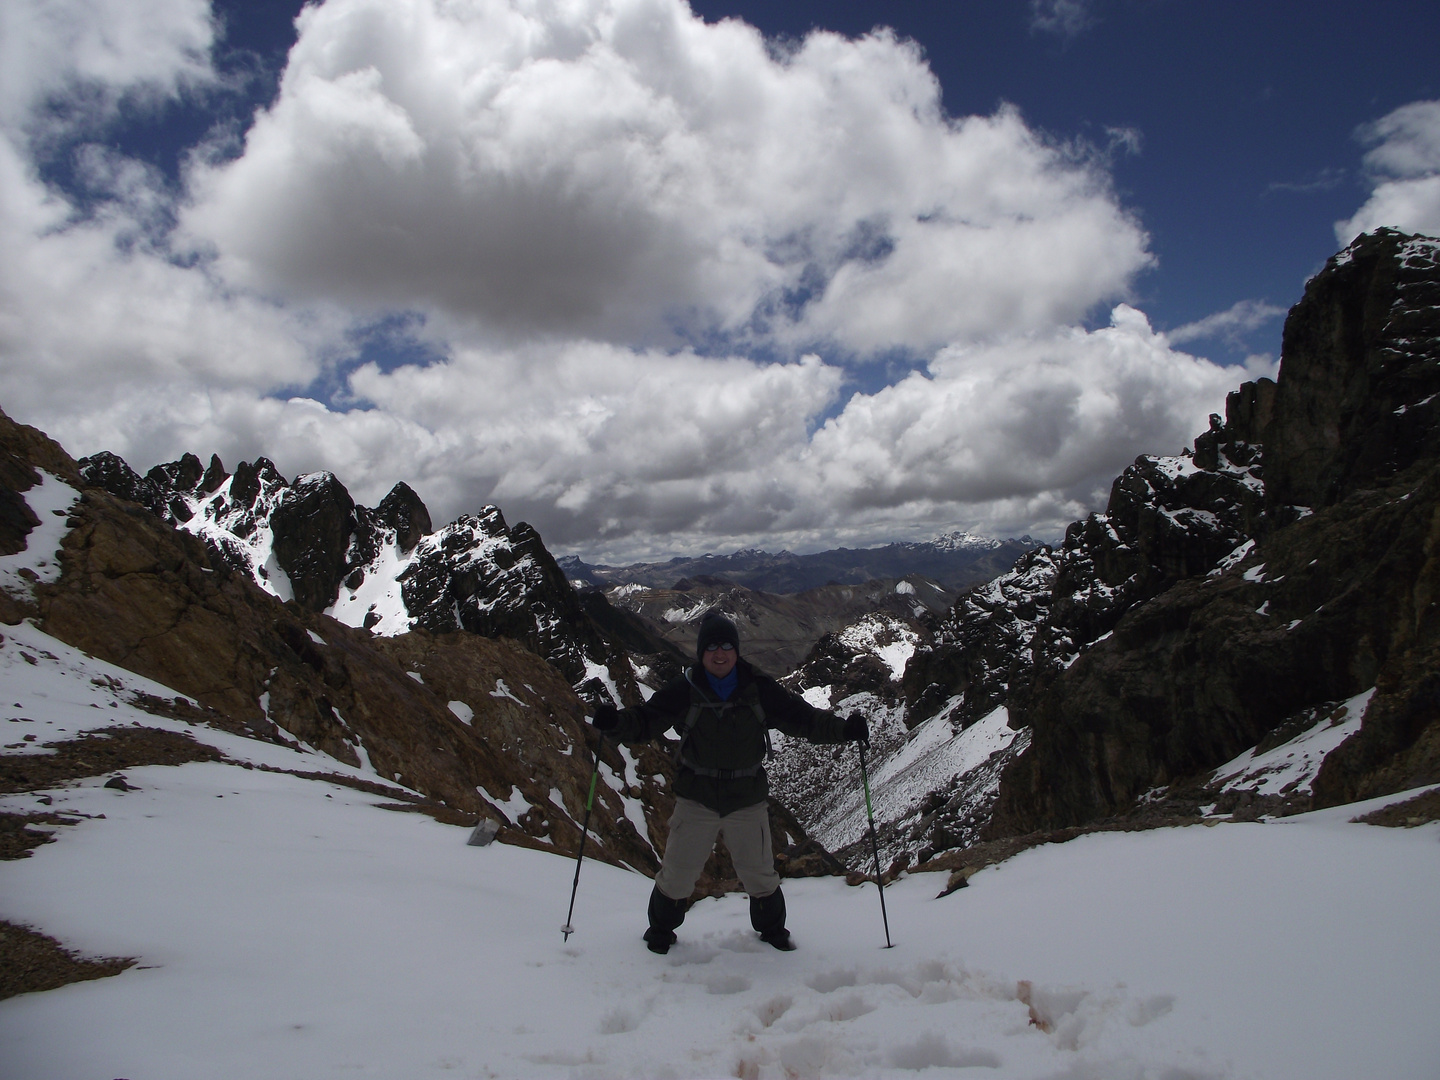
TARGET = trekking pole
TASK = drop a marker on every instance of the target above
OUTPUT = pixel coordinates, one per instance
(874, 845)
(567, 929)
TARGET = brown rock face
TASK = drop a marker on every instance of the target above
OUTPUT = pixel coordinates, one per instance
(531, 740)
(1321, 609)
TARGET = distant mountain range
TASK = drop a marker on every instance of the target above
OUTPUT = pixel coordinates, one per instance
(777, 632)
(954, 560)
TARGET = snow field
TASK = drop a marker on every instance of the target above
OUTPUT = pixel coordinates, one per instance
(1295, 763)
(290, 928)
(885, 637)
(379, 591)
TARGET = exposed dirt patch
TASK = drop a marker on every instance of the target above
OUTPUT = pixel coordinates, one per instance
(30, 961)
(17, 841)
(1406, 815)
(99, 752)
(190, 713)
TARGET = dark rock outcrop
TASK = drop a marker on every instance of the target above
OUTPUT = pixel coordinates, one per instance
(1357, 403)
(311, 529)
(984, 646)
(1332, 593)
(403, 511)
(480, 575)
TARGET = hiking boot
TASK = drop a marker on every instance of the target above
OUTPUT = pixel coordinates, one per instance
(779, 939)
(767, 916)
(665, 915)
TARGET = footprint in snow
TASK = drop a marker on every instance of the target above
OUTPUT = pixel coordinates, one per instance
(727, 984)
(772, 1010)
(622, 1019)
(684, 954)
(827, 982)
(931, 1051)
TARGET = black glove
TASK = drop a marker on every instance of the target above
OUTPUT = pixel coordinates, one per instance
(856, 729)
(607, 718)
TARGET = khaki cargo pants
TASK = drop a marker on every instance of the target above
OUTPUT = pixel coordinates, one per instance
(693, 829)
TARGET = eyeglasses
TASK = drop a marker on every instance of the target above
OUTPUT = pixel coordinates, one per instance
(727, 646)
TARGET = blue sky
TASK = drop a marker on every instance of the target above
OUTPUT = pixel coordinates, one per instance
(1246, 116)
(661, 283)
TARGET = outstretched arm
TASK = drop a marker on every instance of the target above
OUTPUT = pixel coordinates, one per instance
(647, 721)
(792, 714)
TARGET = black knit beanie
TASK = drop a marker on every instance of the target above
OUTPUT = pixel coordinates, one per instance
(714, 629)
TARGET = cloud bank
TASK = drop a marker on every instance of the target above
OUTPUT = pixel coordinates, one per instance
(625, 172)
(655, 264)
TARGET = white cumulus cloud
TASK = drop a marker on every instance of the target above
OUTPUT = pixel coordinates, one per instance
(1404, 165)
(99, 50)
(621, 170)
(1038, 415)
(1229, 325)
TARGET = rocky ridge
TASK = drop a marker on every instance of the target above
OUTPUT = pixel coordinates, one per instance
(1237, 601)
(1334, 596)
(1329, 596)
(384, 569)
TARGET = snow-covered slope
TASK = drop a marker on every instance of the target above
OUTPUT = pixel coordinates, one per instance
(934, 783)
(39, 561)
(289, 927)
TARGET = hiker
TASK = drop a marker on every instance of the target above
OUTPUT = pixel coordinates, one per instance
(723, 710)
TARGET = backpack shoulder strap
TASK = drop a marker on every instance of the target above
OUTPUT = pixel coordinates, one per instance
(692, 717)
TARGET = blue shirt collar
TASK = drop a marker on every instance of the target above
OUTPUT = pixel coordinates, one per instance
(724, 687)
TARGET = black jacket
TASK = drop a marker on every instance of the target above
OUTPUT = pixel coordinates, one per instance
(722, 753)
